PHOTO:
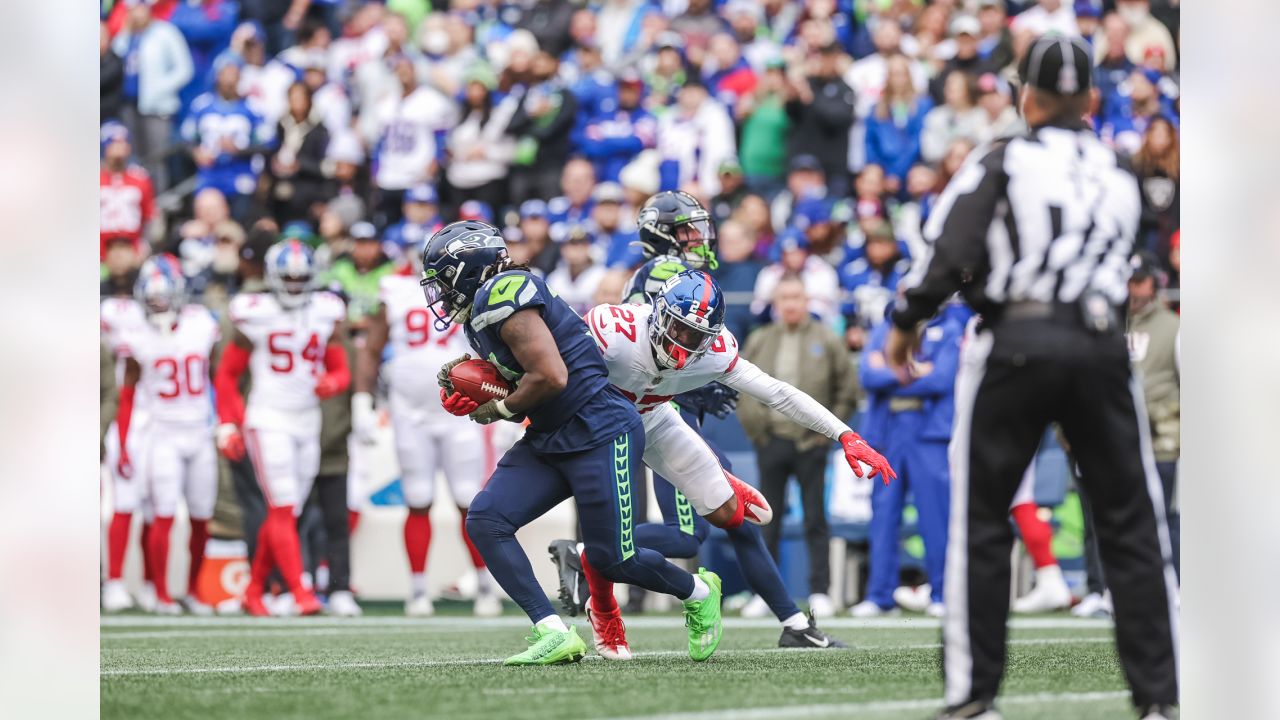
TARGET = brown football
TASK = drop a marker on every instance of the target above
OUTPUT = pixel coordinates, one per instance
(479, 380)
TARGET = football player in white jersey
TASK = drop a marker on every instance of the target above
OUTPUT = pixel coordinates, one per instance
(289, 338)
(166, 372)
(677, 344)
(427, 438)
(118, 316)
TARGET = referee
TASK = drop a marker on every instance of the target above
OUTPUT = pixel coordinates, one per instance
(1035, 232)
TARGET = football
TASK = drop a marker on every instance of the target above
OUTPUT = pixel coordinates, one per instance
(479, 380)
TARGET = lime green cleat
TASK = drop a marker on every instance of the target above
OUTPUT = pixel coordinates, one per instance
(702, 617)
(550, 647)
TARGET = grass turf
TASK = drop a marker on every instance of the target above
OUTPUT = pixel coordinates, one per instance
(384, 666)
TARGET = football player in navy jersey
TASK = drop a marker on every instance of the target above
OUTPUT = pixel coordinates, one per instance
(584, 439)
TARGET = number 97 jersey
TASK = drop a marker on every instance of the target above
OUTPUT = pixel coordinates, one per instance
(416, 348)
(288, 353)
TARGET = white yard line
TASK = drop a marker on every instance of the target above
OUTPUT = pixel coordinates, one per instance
(824, 710)
(373, 665)
(903, 623)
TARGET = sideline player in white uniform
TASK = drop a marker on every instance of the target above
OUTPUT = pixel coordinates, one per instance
(118, 316)
(289, 339)
(166, 371)
(678, 344)
(427, 437)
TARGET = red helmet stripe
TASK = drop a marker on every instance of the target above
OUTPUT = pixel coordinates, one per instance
(706, 295)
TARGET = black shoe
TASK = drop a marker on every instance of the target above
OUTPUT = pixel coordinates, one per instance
(1156, 712)
(976, 710)
(573, 583)
(810, 637)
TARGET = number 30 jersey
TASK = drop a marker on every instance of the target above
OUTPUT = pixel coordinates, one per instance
(417, 350)
(174, 384)
(287, 358)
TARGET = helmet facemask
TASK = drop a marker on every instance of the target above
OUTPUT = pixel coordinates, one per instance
(446, 304)
(293, 290)
(678, 341)
(696, 241)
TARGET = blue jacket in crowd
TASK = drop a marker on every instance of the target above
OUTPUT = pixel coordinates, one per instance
(894, 144)
(213, 119)
(613, 138)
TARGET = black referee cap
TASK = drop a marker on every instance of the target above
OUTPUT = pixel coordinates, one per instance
(1058, 64)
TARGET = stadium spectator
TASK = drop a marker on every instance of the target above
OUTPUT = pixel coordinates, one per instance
(766, 127)
(1047, 16)
(867, 76)
(668, 74)
(797, 350)
(1145, 31)
(822, 286)
(1125, 127)
(617, 134)
(408, 128)
(421, 218)
(733, 188)
(996, 101)
(614, 227)
(727, 73)
(299, 186)
(694, 137)
(377, 79)
(479, 150)
(354, 275)
(737, 272)
(110, 79)
(1113, 64)
(958, 117)
(995, 44)
(805, 178)
(821, 106)
(119, 267)
(157, 64)
(745, 19)
(207, 26)
(225, 137)
(870, 283)
(966, 29)
(344, 164)
(573, 207)
(447, 42)
(534, 235)
(1088, 19)
(126, 199)
(1156, 164)
(753, 213)
(576, 274)
(542, 126)
(549, 20)
(894, 126)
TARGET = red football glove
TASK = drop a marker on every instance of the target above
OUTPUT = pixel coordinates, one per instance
(124, 467)
(857, 452)
(329, 385)
(457, 403)
(230, 442)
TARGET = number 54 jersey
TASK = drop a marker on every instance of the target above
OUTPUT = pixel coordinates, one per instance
(287, 358)
(417, 350)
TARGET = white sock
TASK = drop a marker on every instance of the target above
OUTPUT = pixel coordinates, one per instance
(701, 590)
(418, 583)
(796, 622)
(553, 622)
(484, 580)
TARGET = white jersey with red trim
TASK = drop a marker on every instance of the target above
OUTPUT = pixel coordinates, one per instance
(622, 334)
(287, 358)
(417, 349)
(174, 384)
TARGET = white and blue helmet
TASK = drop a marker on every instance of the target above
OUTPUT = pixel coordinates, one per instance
(688, 315)
(290, 269)
(161, 290)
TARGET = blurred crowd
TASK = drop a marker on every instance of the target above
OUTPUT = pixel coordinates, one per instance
(820, 132)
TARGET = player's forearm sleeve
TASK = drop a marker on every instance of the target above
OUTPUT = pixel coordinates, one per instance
(124, 414)
(748, 379)
(226, 382)
(336, 367)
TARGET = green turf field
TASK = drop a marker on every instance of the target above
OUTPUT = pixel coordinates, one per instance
(385, 666)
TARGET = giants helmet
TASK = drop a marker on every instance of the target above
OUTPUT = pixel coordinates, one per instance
(688, 315)
(290, 268)
(455, 263)
(675, 223)
(161, 290)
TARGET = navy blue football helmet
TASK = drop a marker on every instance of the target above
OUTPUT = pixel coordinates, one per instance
(675, 223)
(688, 315)
(455, 263)
(646, 281)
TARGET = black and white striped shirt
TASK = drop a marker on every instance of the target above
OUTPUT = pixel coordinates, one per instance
(1042, 217)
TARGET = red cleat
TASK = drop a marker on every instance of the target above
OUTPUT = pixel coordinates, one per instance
(755, 509)
(254, 606)
(307, 604)
(609, 633)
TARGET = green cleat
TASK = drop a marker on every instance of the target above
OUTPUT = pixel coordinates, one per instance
(702, 617)
(550, 647)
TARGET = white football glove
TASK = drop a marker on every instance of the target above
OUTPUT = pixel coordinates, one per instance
(364, 419)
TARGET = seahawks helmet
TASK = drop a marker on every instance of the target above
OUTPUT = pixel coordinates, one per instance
(161, 290)
(455, 263)
(290, 267)
(688, 315)
(650, 277)
(675, 223)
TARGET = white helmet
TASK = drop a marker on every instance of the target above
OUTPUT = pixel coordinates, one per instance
(161, 290)
(290, 268)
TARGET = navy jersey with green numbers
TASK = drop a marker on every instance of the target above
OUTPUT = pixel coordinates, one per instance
(589, 412)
